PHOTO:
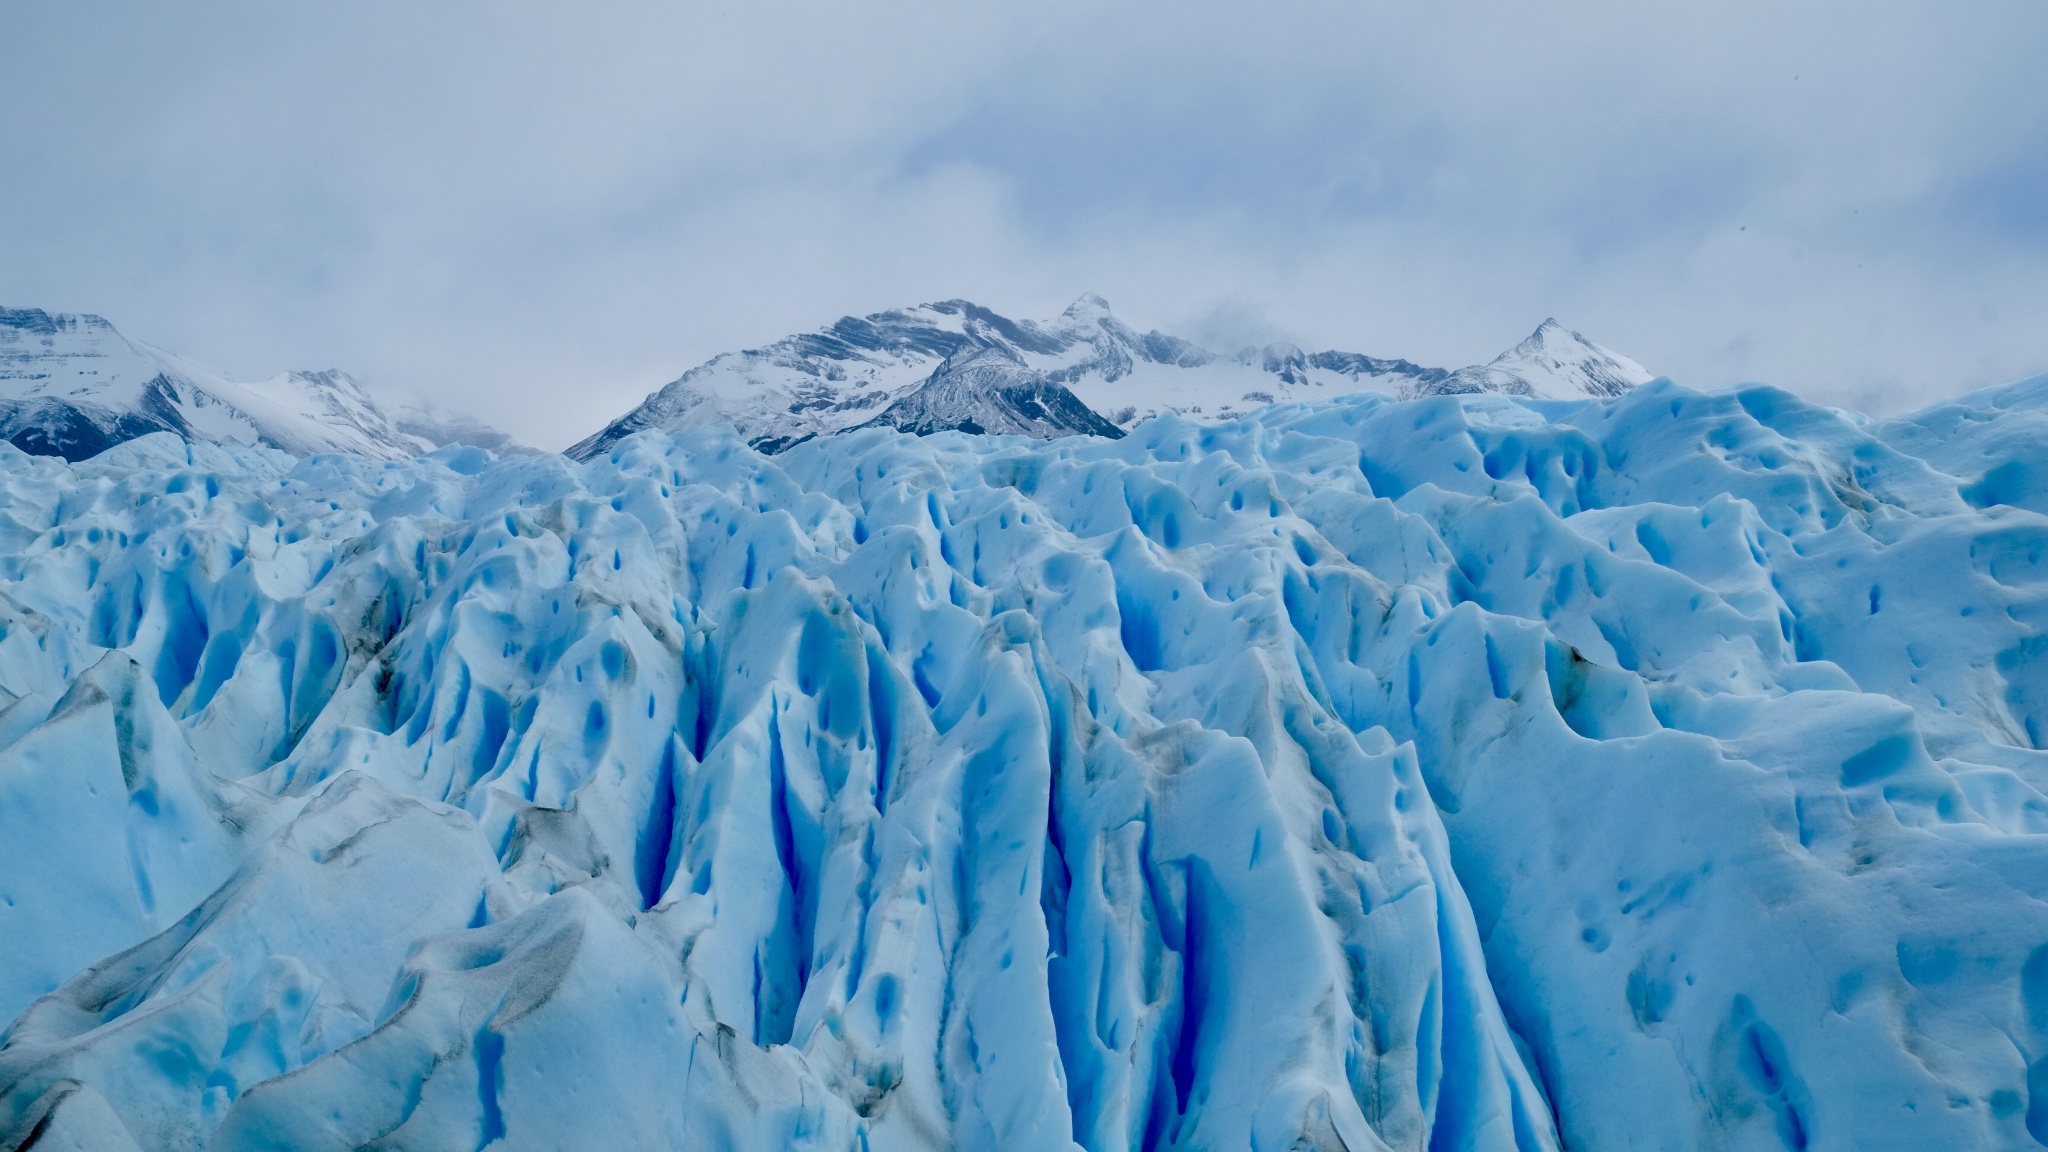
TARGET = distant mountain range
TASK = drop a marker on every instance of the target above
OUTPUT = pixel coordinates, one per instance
(73, 386)
(957, 365)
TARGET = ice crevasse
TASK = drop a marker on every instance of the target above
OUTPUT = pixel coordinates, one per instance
(1461, 773)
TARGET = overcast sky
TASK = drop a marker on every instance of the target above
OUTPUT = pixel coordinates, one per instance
(541, 211)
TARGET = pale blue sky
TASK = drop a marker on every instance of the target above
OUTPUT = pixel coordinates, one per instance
(540, 211)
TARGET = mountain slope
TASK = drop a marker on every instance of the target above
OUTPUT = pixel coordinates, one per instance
(73, 386)
(957, 365)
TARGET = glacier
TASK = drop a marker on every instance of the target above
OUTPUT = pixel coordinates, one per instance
(1462, 772)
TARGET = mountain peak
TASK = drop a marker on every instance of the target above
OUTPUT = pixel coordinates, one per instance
(1552, 337)
(1089, 305)
(1560, 363)
(1551, 363)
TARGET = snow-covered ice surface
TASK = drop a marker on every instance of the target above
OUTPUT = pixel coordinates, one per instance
(1456, 773)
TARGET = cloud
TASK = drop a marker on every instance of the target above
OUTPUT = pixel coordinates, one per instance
(541, 211)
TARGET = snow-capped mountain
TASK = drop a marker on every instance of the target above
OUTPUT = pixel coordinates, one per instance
(1465, 772)
(73, 386)
(957, 365)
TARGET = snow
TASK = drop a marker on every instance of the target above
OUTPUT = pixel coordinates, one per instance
(1467, 772)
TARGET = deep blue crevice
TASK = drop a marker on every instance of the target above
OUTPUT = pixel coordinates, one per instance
(185, 635)
(652, 868)
(786, 856)
(1497, 670)
(882, 713)
(923, 680)
(497, 724)
(490, 1080)
(1194, 987)
(1138, 628)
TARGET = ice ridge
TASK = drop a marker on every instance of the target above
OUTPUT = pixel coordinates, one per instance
(1466, 772)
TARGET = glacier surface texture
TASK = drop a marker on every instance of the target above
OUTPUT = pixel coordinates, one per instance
(1479, 772)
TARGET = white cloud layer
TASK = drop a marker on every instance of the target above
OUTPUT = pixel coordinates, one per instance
(540, 211)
